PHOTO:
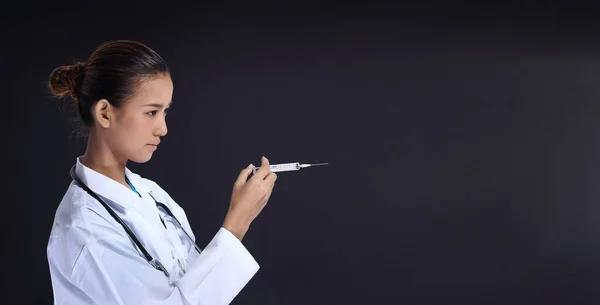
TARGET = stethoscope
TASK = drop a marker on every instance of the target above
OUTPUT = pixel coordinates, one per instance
(153, 261)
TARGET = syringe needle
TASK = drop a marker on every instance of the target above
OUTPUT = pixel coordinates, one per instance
(308, 165)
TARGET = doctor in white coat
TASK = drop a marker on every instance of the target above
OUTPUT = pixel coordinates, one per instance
(118, 238)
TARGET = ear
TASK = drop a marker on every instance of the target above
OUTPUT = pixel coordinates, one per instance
(103, 113)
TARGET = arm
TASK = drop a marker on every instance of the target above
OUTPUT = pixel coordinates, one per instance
(111, 271)
(220, 272)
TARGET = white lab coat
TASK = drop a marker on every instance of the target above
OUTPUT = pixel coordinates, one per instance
(93, 261)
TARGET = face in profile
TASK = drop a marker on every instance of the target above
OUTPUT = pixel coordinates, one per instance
(140, 123)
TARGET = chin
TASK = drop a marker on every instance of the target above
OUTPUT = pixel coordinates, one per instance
(141, 159)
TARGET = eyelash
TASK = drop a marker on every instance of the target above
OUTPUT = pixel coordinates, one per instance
(153, 112)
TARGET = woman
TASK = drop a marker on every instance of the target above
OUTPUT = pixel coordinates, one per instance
(119, 238)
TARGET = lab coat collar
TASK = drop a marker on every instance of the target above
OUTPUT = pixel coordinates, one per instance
(111, 189)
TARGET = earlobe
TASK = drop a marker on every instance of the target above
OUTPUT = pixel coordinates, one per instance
(102, 113)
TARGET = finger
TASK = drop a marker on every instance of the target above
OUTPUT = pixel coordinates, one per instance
(270, 179)
(243, 177)
(263, 170)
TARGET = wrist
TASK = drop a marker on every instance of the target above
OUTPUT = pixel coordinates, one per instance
(237, 228)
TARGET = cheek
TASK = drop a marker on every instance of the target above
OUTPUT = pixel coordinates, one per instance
(132, 118)
(131, 127)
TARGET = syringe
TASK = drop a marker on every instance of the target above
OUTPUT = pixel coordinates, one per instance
(288, 167)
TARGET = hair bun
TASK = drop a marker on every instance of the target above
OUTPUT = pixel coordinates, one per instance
(65, 80)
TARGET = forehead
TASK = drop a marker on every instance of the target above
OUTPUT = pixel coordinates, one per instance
(155, 90)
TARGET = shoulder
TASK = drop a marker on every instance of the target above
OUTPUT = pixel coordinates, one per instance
(77, 210)
(79, 219)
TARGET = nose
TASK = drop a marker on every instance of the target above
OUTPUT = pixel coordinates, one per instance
(162, 128)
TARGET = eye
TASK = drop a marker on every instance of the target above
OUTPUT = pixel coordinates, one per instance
(152, 113)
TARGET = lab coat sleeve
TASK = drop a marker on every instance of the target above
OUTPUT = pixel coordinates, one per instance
(110, 271)
(220, 272)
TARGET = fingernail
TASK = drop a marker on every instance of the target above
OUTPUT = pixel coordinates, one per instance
(250, 166)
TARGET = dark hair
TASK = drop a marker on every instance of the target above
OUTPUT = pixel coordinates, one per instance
(112, 72)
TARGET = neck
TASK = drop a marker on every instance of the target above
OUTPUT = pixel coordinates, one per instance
(101, 159)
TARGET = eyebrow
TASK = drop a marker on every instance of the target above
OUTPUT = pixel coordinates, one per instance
(158, 105)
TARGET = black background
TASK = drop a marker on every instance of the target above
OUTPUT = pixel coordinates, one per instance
(462, 139)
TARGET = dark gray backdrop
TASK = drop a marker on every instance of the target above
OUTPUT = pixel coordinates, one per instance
(462, 137)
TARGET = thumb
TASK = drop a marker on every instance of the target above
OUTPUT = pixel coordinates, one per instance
(243, 177)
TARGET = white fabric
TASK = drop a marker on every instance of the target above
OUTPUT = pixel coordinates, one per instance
(92, 260)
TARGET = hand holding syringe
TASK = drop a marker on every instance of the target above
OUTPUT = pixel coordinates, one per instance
(249, 196)
(284, 167)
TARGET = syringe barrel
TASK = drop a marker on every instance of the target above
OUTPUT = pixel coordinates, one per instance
(284, 167)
